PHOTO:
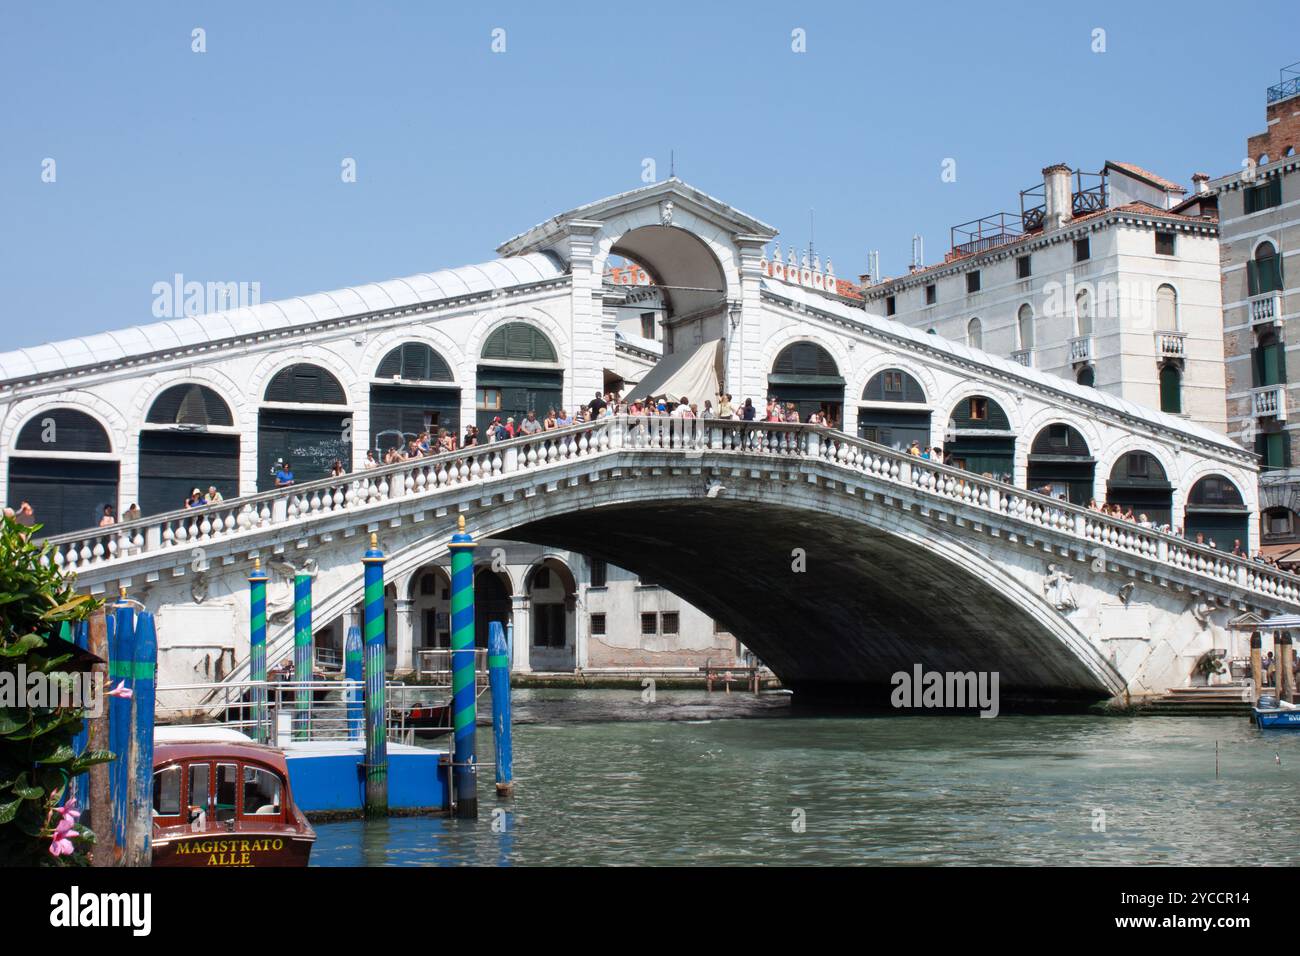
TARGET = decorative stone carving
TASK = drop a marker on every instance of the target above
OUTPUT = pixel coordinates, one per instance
(1056, 585)
(1202, 608)
(199, 587)
(666, 213)
(1126, 593)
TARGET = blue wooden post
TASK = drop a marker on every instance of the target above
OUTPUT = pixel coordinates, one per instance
(463, 689)
(376, 648)
(80, 635)
(499, 679)
(121, 670)
(140, 801)
(262, 731)
(302, 656)
(354, 670)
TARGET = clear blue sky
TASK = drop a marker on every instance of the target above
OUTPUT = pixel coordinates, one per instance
(225, 166)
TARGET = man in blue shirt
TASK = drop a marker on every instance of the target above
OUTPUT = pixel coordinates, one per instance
(283, 476)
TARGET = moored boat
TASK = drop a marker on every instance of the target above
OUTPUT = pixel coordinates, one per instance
(225, 802)
(1269, 713)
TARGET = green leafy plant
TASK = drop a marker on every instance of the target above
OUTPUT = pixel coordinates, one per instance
(37, 756)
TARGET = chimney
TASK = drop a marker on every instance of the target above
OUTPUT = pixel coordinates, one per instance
(1060, 199)
(1201, 182)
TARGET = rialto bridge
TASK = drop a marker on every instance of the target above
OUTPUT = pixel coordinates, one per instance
(838, 559)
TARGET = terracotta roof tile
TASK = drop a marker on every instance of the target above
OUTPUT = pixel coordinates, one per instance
(1149, 176)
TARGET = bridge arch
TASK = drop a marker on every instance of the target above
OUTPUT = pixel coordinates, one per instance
(64, 463)
(550, 593)
(894, 410)
(808, 370)
(1060, 463)
(305, 416)
(412, 390)
(520, 368)
(1216, 509)
(869, 568)
(189, 438)
(980, 432)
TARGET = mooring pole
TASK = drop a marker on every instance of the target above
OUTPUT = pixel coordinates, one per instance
(1256, 662)
(121, 669)
(302, 653)
(80, 635)
(140, 803)
(257, 651)
(99, 804)
(463, 684)
(354, 672)
(1283, 656)
(376, 765)
(499, 678)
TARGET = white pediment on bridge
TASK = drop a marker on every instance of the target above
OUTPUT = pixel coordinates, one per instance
(669, 200)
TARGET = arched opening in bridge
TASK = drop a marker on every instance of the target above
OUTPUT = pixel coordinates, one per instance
(1138, 482)
(413, 392)
(63, 465)
(492, 602)
(430, 597)
(979, 438)
(683, 285)
(1216, 510)
(304, 421)
(806, 374)
(519, 370)
(552, 594)
(1061, 465)
(892, 411)
(188, 441)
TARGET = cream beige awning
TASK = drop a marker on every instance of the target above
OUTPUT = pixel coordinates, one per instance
(696, 374)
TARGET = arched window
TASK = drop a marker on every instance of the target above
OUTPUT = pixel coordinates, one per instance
(1215, 491)
(975, 334)
(414, 361)
(63, 429)
(1166, 309)
(1171, 389)
(1083, 312)
(1086, 376)
(519, 342)
(189, 404)
(893, 385)
(1278, 522)
(1138, 483)
(804, 358)
(1025, 326)
(305, 384)
(1264, 271)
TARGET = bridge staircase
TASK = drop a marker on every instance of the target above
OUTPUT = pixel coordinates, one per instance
(1230, 700)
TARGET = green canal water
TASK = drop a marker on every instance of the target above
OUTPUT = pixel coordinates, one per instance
(602, 778)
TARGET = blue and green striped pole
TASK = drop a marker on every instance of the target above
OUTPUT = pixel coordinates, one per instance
(499, 679)
(121, 671)
(257, 650)
(374, 619)
(354, 673)
(462, 671)
(301, 652)
(140, 803)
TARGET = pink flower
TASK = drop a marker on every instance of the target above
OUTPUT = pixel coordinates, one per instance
(121, 690)
(68, 813)
(61, 846)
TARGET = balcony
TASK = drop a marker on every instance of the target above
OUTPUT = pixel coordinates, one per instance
(1265, 309)
(1269, 402)
(1171, 345)
(1024, 356)
(1081, 350)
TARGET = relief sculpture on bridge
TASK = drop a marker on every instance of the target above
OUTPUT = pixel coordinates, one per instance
(1056, 585)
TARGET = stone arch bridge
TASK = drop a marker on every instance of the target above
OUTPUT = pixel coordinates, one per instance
(839, 561)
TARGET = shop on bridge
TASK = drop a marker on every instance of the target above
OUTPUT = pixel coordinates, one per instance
(1139, 482)
(62, 464)
(806, 374)
(1216, 510)
(413, 392)
(188, 441)
(892, 411)
(979, 438)
(306, 422)
(1060, 464)
(518, 370)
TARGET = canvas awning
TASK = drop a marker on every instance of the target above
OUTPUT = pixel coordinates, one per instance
(697, 374)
